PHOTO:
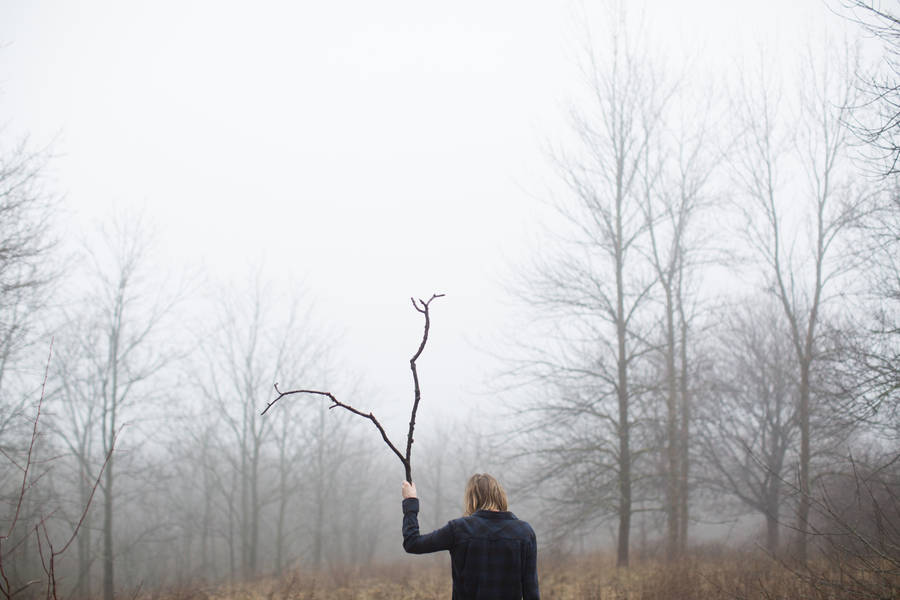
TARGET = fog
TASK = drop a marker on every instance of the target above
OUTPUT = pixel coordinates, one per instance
(667, 252)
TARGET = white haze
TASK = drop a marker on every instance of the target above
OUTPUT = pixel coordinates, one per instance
(362, 151)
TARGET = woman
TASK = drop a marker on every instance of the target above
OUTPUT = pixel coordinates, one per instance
(493, 555)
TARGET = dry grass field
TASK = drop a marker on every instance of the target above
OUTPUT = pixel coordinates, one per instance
(594, 577)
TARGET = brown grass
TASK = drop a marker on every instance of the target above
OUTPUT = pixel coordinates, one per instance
(591, 577)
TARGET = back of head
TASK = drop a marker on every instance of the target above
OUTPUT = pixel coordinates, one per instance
(483, 492)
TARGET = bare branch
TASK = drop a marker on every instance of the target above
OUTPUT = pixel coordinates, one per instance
(423, 307)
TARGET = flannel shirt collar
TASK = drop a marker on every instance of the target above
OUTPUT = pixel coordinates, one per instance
(494, 514)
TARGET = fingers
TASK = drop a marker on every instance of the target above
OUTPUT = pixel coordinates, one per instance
(408, 490)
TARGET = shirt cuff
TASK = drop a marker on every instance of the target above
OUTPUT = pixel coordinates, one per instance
(410, 505)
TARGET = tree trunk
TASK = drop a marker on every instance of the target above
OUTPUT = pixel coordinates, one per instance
(254, 511)
(318, 535)
(83, 544)
(672, 438)
(232, 542)
(282, 508)
(205, 558)
(772, 520)
(803, 508)
(245, 508)
(623, 427)
(684, 442)
(319, 486)
(622, 378)
(108, 576)
(108, 573)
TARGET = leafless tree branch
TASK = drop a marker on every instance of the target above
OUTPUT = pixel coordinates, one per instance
(422, 306)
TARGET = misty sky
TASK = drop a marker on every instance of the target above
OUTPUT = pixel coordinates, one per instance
(364, 151)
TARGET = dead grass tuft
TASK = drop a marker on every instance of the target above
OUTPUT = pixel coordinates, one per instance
(726, 576)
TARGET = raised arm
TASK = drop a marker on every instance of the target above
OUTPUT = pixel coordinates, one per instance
(413, 541)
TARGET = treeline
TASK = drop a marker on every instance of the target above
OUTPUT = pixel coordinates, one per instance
(144, 460)
(711, 330)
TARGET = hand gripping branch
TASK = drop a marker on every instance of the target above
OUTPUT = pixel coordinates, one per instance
(421, 306)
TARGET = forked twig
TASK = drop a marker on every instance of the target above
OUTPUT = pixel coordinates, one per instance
(423, 307)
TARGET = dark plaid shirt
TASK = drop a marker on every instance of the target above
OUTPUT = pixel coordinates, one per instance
(493, 555)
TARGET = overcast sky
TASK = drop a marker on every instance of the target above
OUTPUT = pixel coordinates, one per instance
(367, 151)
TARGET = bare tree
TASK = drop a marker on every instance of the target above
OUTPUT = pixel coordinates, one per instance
(291, 452)
(76, 423)
(249, 345)
(748, 421)
(26, 270)
(874, 117)
(26, 274)
(113, 354)
(675, 194)
(187, 482)
(48, 548)
(591, 293)
(328, 450)
(855, 525)
(801, 273)
(868, 361)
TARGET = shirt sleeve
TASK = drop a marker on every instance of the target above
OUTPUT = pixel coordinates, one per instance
(413, 541)
(530, 589)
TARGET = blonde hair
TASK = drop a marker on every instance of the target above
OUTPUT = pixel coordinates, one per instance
(483, 492)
